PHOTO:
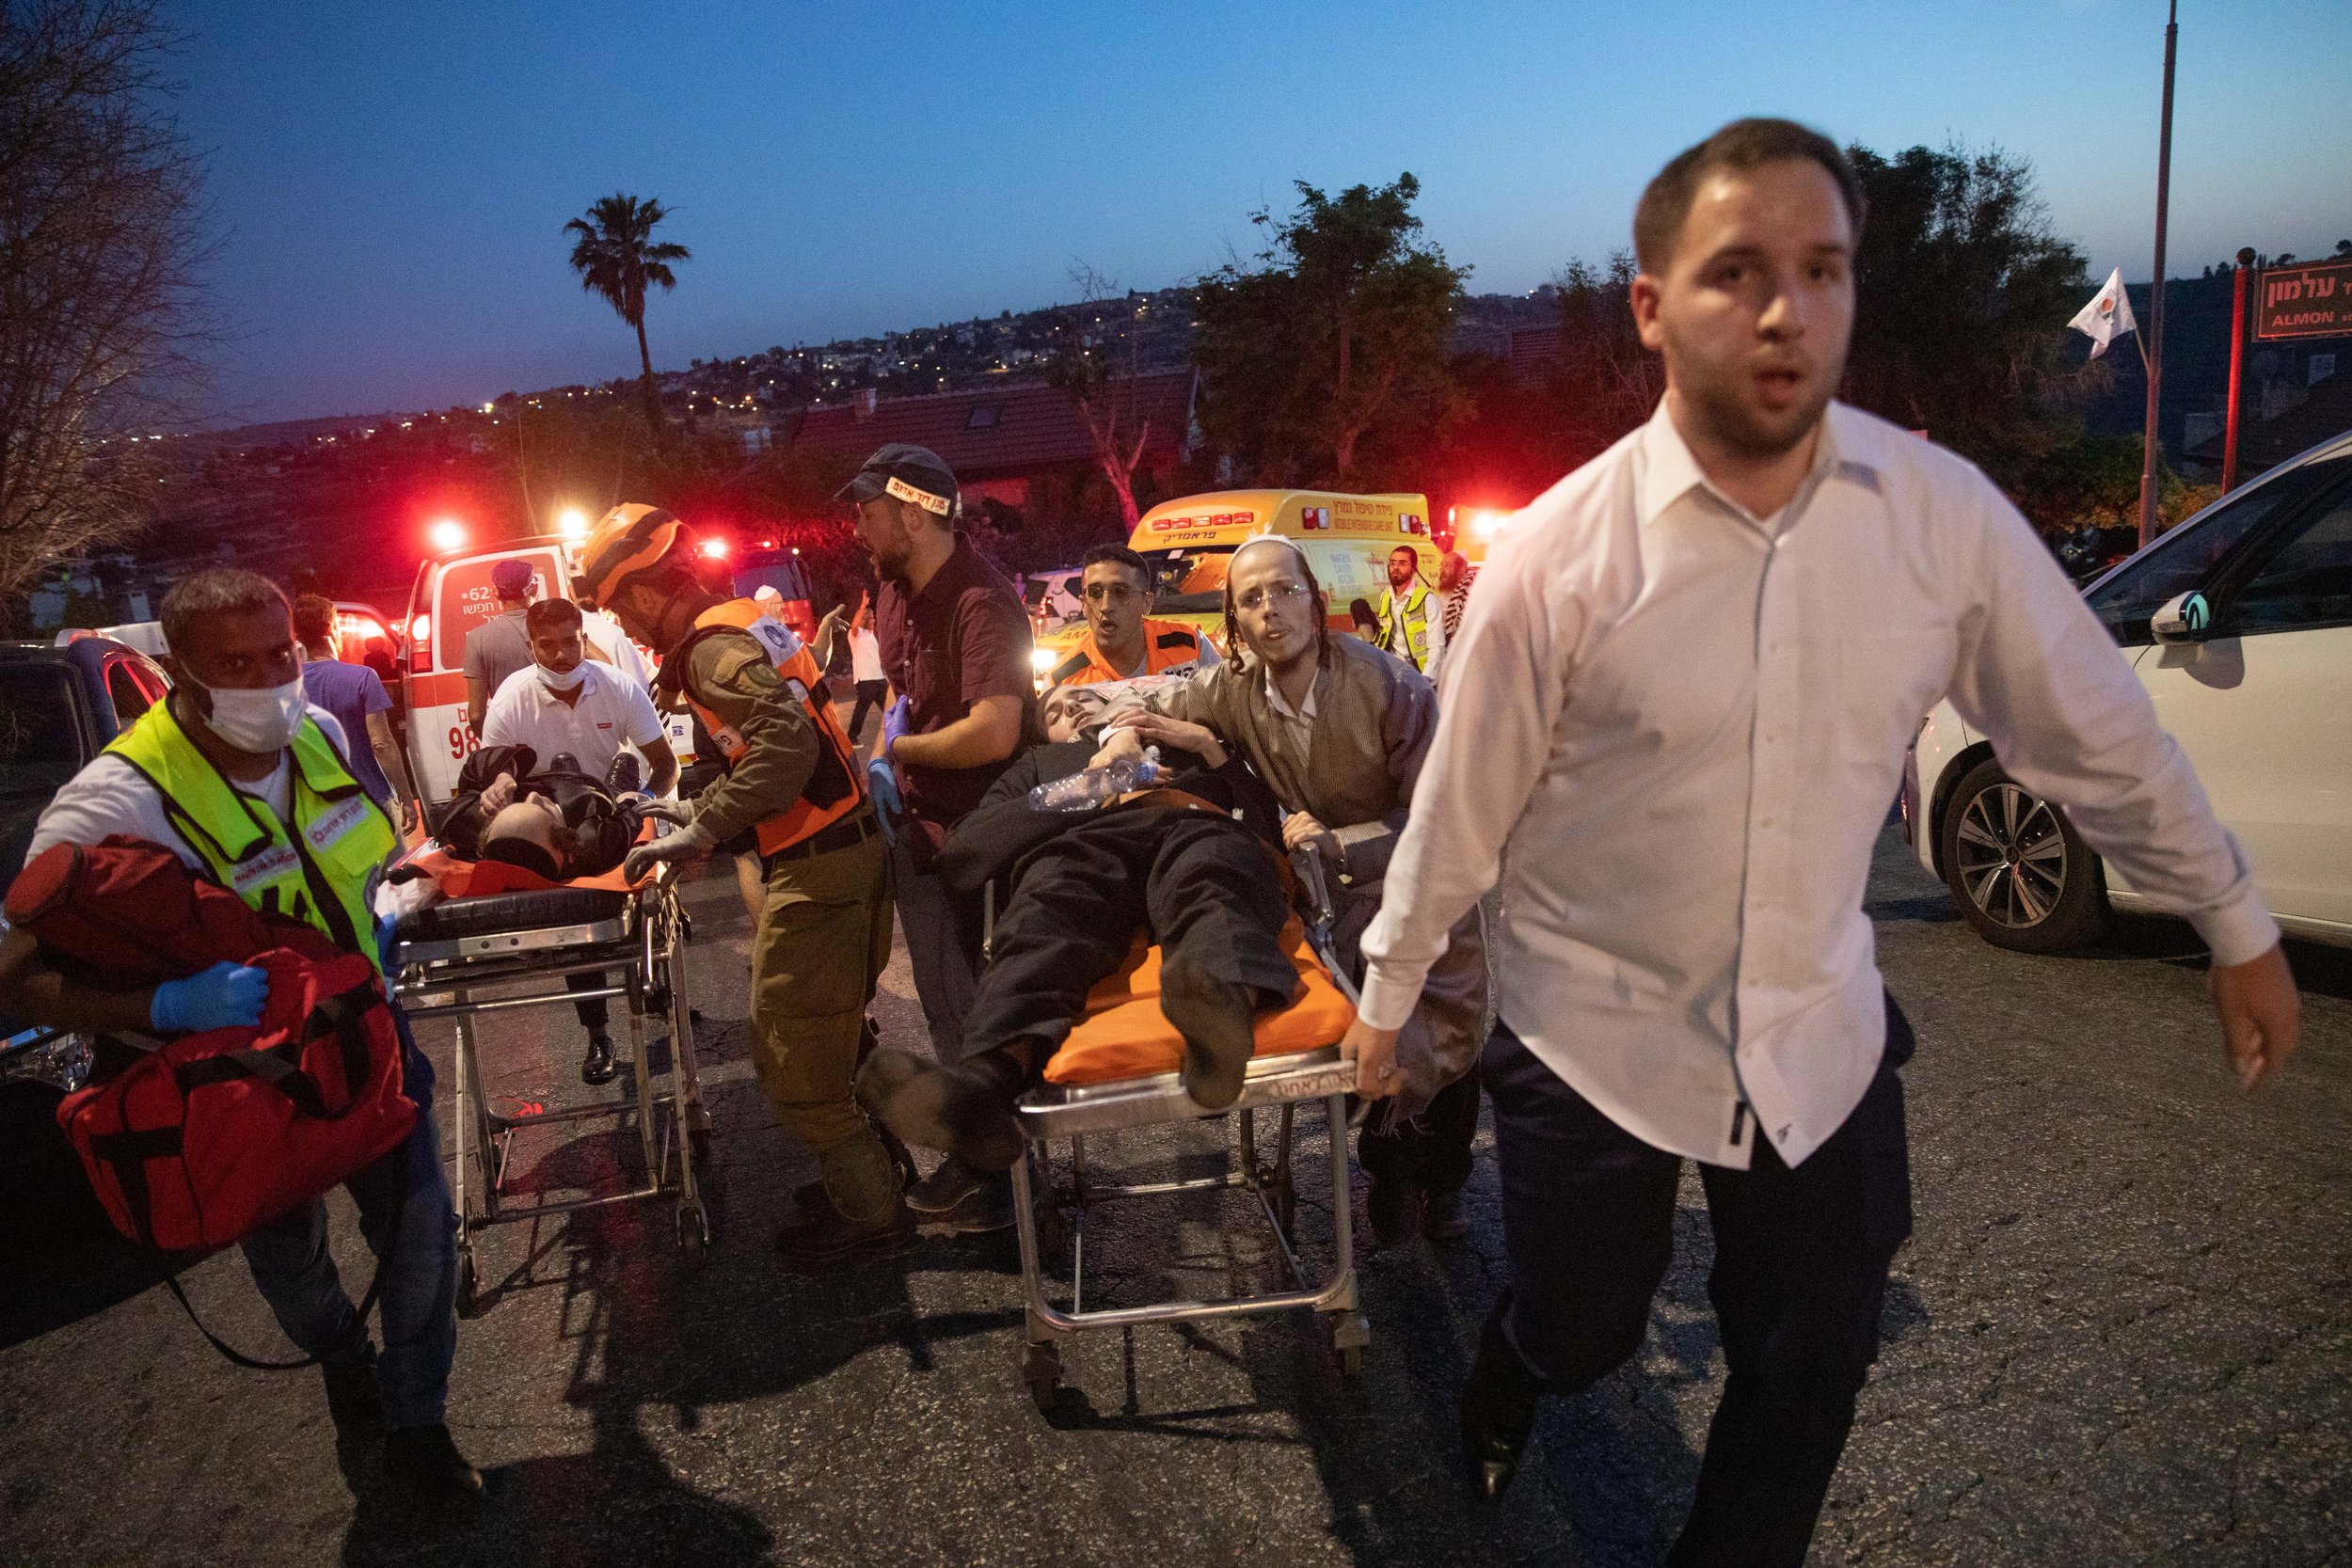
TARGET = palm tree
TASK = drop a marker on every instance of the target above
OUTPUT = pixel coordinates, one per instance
(616, 257)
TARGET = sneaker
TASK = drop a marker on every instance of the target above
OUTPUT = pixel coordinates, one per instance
(354, 1401)
(824, 1240)
(964, 1201)
(597, 1067)
(422, 1463)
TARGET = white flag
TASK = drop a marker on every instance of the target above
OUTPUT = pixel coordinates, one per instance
(2108, 315)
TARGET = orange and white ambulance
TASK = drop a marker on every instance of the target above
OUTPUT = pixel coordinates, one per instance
(452, 597)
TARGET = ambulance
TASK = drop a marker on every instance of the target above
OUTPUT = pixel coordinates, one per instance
(1189, 542)
(452, 597)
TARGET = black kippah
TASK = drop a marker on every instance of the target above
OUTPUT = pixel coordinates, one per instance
(523, 853)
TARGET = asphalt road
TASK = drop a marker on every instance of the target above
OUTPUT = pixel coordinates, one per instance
(2120, 1336)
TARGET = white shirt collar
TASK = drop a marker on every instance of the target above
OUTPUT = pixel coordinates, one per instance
(1848, 449)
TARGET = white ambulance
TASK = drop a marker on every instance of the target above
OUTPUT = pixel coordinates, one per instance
(452, 597)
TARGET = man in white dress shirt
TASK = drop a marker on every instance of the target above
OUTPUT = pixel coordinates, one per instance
(1677, 712)
(563, 702)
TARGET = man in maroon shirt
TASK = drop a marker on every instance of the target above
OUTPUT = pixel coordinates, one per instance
(955, 644)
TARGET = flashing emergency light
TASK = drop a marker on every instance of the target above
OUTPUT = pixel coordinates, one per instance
(715, 548)
(446, 535)
(572, 523)
(420, 628)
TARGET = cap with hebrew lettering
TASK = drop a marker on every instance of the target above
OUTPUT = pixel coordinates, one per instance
(913, 474)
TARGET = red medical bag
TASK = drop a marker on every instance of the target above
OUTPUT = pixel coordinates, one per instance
(213, 1133)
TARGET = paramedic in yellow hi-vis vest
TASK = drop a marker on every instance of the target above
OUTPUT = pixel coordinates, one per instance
(824, 933)
(251, 786)
(1403, 613)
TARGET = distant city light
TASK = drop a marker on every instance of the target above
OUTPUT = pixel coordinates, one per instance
(446, 535)
(489, 408)
(572, 523)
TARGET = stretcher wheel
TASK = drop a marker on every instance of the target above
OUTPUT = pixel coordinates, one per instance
(469, 1294)
(1351, 1362)
(693, 1234)
(1040, 1368)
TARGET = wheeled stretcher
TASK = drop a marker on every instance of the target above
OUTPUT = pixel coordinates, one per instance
(1117, 1071)
(505, 940)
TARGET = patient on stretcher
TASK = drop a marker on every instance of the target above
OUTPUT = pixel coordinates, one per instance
(555, 821)
(1195, 862)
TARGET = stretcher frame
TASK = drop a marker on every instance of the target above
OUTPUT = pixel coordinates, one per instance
(447, 978)
(1074, 1113)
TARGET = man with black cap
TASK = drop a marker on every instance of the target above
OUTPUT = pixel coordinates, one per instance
(955, 644)
(500, 645)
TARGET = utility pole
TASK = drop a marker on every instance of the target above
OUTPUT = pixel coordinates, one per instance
(2152, 346)
(2243, 281)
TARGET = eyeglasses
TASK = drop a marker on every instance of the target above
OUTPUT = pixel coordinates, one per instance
(1109, 593)
(1278, 592)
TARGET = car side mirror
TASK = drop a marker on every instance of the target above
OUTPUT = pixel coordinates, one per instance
(2182, 618)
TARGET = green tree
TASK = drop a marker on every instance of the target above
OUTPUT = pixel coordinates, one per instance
(617, 258)
(1963, 295)
(1324, 357)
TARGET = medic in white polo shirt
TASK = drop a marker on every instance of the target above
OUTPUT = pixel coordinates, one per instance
(563, 702)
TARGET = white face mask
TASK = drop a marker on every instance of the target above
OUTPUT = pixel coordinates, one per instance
(563, 680)
(260, 719)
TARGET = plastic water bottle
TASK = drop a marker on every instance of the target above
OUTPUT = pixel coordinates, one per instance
(1096, 786)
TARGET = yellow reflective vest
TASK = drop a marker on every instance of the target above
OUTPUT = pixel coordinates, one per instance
(319, 869)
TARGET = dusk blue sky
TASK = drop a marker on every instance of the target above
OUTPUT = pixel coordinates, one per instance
(392, 182)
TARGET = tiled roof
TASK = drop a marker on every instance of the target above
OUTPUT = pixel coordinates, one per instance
(1003, 431)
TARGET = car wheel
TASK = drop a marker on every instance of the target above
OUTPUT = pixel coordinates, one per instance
(2024, 877)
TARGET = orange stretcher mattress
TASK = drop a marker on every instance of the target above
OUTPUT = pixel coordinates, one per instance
(1123, 1034)
(458, 879)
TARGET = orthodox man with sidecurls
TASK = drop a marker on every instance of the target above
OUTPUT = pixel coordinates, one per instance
(1673, 723)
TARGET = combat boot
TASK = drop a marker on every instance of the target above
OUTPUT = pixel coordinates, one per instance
(865, 1213)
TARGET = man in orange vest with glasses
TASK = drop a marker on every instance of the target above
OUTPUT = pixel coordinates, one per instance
(824, 933)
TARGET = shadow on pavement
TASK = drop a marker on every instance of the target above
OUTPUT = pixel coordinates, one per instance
(622, 1293)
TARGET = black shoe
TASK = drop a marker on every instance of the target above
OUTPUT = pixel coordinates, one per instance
(1215, 1017)
(597, 1067)
(422, 1463)
(1498, 1412)
(965, 1109)
(823, 1241)
(1393, 1205)
(353, 1400)
(1442, 1217)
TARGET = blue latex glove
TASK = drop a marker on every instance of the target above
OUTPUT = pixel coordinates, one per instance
(882, 783)
(215, 998)
(894, 721)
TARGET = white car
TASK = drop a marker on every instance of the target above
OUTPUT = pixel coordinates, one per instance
(2239, 623)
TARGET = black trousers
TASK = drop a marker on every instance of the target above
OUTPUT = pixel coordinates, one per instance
(1434, 1148)
(1800, 1275)
(1200, 884)
(870, 700)
(594, 1015)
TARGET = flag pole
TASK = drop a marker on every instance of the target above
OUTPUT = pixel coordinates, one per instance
(2153, 344)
